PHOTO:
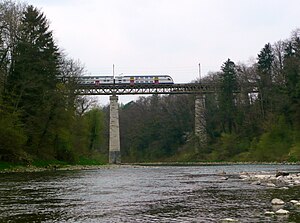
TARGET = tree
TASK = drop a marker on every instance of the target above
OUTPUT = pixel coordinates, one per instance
(227, 96)
(10, 21)
(12, 135)
(292, 77)
(95, 122)
(32, 80)
(264, 66)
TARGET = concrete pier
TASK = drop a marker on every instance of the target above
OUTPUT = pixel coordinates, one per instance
(200, 122)
(114, 131)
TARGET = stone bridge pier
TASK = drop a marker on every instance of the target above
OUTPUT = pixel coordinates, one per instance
(114, 131)
(200, 122)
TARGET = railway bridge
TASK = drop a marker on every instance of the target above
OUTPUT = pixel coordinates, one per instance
(198, 89)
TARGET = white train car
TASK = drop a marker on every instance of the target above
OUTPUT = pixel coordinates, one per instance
(95, 80)
(130, 80)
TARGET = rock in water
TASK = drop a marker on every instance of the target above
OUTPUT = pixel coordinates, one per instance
(270, 185)
(282, 212)
(269, 213)
(279, 173)
(294, 201)
(225, 220)
(277, 201)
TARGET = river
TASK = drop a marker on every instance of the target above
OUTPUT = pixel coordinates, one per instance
(142, 194)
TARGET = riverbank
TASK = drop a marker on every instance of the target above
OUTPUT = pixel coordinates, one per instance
(24, 169)
(211, 163)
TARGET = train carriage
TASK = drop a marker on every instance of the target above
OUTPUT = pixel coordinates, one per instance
(128, 79)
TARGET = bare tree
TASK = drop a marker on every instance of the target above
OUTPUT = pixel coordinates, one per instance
(10, 20)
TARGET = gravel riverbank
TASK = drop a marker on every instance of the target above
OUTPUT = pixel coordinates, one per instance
(278, 180)
(23, 169)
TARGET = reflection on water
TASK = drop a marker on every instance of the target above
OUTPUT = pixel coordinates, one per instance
(142, 194)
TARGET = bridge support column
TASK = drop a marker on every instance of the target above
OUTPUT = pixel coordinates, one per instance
(200, 122)
(114, 131)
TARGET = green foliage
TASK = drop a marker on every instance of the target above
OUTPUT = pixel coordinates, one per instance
(94, 119)
(275, 143)
(228, 147)
(5, 165)
(12, 137)
(48, 163)
(294, 154)
(265, 60)
(93, 160)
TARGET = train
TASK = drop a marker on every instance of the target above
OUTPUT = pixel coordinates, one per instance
(128, 79)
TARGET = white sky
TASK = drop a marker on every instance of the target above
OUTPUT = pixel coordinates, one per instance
(166, 36)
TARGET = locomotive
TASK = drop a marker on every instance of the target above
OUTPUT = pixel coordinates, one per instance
(129, 80)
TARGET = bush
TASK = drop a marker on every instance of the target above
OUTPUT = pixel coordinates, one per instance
(12, 139)
(275, 144)
(294, 154)
(228, 147)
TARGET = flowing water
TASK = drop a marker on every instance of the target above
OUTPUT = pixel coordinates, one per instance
(142, 194)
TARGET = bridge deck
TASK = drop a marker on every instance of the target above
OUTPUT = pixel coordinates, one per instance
(122, 89)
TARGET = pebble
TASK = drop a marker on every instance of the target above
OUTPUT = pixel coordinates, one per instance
(277, 201)
(284, 188)
(282, 211)
(279, 173)
(228, 220)
(256, 183)
(297, 181)
(244, 177)
(270, 185)
(269, 213)
(294, 201)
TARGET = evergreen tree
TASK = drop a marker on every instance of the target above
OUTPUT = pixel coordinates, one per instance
(264, 66)
(33, 76)
(227, 97)
(292, 76)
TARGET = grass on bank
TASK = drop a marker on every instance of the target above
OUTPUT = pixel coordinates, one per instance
(81, 161)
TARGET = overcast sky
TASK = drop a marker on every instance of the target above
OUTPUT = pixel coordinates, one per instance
(167, 36)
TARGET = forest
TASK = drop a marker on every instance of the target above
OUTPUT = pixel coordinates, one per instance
(42, 119)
